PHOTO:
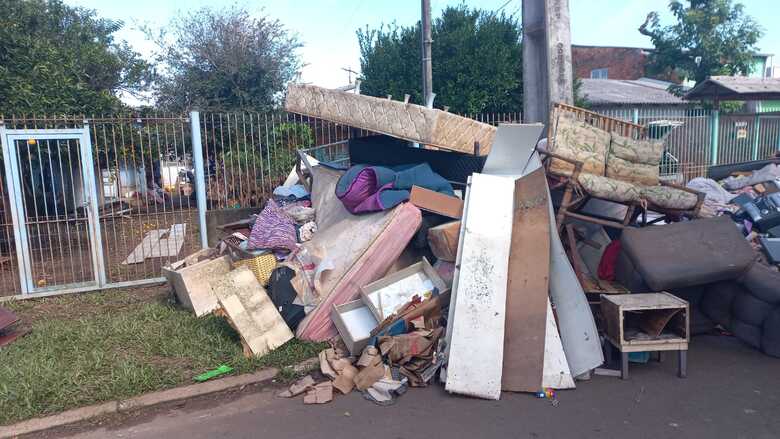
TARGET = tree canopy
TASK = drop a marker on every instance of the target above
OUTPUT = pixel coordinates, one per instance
(477, 64)
(224, 59)
(711, 37)
(55, 58)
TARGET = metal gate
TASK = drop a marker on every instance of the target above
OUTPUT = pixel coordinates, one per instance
(54, 208)
(96, 203)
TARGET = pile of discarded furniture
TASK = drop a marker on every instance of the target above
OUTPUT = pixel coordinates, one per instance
(479, 257)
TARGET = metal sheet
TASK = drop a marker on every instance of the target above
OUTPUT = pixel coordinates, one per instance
(577, 328)
(476, 344)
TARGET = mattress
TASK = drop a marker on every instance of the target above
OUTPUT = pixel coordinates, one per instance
(358, 249)
(410, 122)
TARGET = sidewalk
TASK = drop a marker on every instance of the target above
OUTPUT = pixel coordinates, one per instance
(732, 391)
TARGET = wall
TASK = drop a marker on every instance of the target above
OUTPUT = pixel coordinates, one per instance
(622, 62)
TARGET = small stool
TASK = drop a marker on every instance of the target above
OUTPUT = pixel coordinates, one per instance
(652, 322)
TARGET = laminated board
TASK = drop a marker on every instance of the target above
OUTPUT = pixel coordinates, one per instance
(527, 290)
(251, 312)
(478, 303)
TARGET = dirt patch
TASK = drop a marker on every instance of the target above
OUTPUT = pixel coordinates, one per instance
(84, 305)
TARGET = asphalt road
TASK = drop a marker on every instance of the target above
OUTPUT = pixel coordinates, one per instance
(731, 392)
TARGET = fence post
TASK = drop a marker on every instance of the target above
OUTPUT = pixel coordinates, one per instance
(756, 131)
(635, 116)
(200, 176)
(715, 122)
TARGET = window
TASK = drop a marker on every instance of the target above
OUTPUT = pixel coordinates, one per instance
(599, 74)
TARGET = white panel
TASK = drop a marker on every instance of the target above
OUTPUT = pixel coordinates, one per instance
(476, 345)
(577, 327)
(556, 373)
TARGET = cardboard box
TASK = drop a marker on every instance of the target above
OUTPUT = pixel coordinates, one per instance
(385, 296)
(191, 281)
(354, 321)
(443, 241)
(435, 202)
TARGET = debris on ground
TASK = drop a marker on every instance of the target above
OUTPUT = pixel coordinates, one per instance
(534, 281)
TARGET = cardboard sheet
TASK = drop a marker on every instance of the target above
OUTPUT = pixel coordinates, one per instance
(527, 292)
(432, 201)
(478, 304)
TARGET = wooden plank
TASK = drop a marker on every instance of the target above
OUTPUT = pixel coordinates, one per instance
(151, 240)
(527, 299)
(476, 340)
(158, 243)
(556, 373)
(251, 312)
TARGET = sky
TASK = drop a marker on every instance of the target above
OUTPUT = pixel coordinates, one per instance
(327, 27)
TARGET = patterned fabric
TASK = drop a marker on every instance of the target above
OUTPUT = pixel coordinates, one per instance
(669, 197)
(273, 229)
(610, 189)
(582, 142)
(647, 152)
(639, 173)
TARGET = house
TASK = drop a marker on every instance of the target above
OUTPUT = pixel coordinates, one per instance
(618, 95)
(618, 62)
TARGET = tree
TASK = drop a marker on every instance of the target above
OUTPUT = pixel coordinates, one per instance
(56, 58)
(224, 59)
(477, 65)
(711, 37)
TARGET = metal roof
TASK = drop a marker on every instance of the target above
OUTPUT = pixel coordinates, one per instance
(736, 88)
(628, 92)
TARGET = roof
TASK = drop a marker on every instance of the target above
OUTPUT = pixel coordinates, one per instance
(628, 92)
(736, 88)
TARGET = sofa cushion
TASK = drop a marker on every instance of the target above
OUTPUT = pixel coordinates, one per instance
(646, 152)
(610, 189)
(747, 333)
(687, 253)
(763, 283)
(579, 141)
(718, 302)
(668, 197)
(770, 336)
(626, 275)
(638, 173)
(747, 308)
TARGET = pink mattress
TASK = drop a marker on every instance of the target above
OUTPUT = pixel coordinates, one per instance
(362, 248)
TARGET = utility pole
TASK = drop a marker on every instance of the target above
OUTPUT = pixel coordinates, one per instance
(427, 69)
(547, 69)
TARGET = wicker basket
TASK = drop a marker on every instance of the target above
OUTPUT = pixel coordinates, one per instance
(261, 266)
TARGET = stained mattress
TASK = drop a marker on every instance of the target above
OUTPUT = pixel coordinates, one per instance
(360, 249)
(410, 122)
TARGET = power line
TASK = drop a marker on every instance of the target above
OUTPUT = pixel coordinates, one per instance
(504, 5)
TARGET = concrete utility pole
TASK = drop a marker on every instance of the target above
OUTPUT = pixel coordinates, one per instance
(547, 69)
(427, 69)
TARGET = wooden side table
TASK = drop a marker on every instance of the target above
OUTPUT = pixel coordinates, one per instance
(651, 322)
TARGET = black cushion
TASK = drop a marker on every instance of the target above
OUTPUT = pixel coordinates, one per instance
(763, 283)
(687, 253)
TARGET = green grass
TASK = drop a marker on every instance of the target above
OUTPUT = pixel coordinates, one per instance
(91, 348)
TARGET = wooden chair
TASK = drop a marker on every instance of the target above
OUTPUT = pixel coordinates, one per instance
(585, 179)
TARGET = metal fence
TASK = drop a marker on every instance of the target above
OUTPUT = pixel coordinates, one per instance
(691, 146)
(98, 202)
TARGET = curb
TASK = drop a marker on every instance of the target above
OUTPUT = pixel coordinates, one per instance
(146, 400)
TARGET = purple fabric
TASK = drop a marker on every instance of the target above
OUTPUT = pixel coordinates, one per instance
(273, 229)
(362, 195)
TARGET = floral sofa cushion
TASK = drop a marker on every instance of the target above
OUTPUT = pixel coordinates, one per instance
(647, 152)
(669, 197)
(580, 141)
(609, 188)
(625, 170)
